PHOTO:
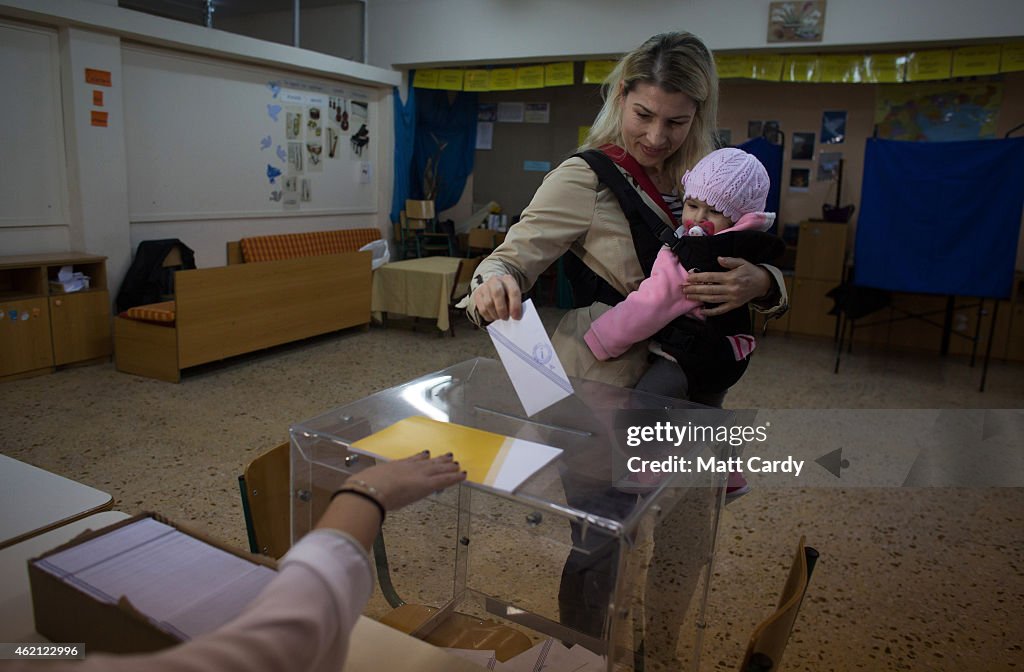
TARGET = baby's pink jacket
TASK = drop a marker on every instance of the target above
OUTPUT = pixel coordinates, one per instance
(657, 301)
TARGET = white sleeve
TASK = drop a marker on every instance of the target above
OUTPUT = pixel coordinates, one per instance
(301, 622)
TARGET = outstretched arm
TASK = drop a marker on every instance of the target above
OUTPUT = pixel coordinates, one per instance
(643, 313)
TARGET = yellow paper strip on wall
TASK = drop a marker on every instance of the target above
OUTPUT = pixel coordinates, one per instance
(885, 68)
(976, 61)
(530, 77)
(1013, 57)
(923, 66)
(450, 80)
(581, 135)
(559, 74)
(801, 68)
(841, 68)
(733, 66)
(595, 72)
(767, 67)
(425, 79)
(503, 79)
(476, 80)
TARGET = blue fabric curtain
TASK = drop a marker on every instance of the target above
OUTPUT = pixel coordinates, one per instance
(405, 134)
(940, 217)
(453, 126)
(770, 155)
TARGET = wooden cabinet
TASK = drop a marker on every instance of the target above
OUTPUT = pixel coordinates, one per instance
(820, 260)
(42, 326)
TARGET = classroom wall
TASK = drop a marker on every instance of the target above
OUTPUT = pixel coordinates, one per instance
(335, 30)
(403, 33)
(97, 218)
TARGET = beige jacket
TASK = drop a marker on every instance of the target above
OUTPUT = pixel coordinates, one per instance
(570, 211)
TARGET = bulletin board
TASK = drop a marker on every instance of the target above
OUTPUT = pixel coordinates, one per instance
(209, 139)
(33, 183)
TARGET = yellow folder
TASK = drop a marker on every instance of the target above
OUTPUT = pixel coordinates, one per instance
(501, 462)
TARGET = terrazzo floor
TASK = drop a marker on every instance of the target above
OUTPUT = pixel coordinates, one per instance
(909, 578)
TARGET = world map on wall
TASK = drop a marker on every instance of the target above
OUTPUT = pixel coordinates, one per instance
(938, 112)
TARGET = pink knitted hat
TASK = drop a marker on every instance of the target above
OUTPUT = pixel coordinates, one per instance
(729, 180)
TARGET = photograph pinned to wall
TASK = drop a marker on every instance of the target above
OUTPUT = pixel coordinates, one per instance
(802, 21)
(803, 147)
(772, 132)
(484, 135)
(799, 179)
(314, 129)
(290, 197)
(295, 162)
(724, 138)
(487, 112)
(306, 193)
(333, 136)
(291, 183)
(833, 127)
(537, 113)
(293, 124)
(337, 112)
(754, 129)
(828, 166)
(314, 157)
(360, 138)
(511, 112)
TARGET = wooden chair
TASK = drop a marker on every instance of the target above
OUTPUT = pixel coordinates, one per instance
(422, 218)
(409, 237)
(460, 288)
(265, 486)
(768, 642)
(481, 240)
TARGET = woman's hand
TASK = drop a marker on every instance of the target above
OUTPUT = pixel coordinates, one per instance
(403, 482)
(499, 298)
(740, 285)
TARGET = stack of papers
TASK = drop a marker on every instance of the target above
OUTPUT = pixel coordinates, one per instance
(183, 584)
(500, 462)
(69, 280)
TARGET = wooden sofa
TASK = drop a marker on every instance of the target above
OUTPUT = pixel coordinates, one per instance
(279, 289)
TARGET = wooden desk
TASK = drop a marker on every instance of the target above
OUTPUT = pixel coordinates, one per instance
(416, 287)
(33, 501)
(17, 622)
(374, 646)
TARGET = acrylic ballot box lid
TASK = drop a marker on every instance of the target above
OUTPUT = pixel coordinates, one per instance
(514, 555)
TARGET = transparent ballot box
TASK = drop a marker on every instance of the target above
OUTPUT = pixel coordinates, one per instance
(583, 557)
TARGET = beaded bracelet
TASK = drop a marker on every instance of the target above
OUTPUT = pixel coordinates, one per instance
(362, 489)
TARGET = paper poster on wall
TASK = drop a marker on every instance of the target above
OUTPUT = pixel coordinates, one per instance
(295, 162)
(484, 134)
(314, 157)
(293, 123)
(314, 129)
(365, 172)
(828, 166)
(306, 193)
(360, 139)
(332, 142)
(511, 112)
(803, 146)
(290, 198)
(833, 127)
(799, 179)
(537, 113)
(337, 112)
(487, 112)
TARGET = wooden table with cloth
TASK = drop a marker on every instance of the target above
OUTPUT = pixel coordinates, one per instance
(415, 287)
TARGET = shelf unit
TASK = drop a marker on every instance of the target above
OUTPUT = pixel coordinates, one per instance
(41, 326)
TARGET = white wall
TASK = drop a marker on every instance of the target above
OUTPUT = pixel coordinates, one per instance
(439, 32)
(90, 35)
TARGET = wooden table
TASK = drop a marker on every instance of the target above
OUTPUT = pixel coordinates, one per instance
(416, 287)
(33, 501)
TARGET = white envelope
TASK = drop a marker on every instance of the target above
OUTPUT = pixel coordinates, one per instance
(530, 360)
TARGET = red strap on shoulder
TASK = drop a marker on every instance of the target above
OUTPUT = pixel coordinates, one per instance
(623, 158)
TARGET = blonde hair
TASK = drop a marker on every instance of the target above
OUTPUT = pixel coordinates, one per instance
(675, 62)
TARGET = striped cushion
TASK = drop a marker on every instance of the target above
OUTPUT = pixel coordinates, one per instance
(311, 244)
(153, 312)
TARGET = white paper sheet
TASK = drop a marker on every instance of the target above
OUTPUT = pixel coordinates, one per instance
(530, 360)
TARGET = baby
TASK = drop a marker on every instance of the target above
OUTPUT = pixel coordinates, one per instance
(724, 198)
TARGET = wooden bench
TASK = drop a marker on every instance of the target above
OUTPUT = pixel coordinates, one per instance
(312, 288)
